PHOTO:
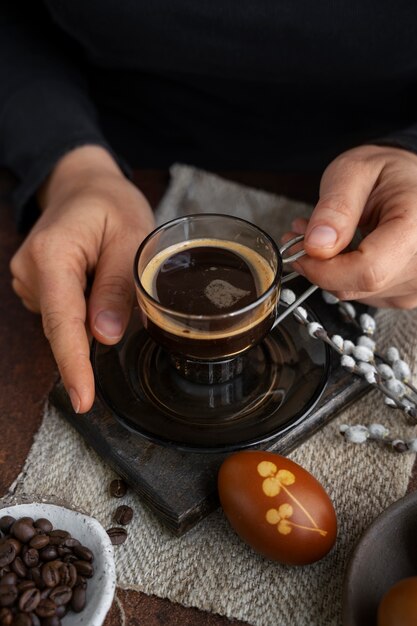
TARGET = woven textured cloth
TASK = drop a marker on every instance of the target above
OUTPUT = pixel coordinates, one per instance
(209, 567)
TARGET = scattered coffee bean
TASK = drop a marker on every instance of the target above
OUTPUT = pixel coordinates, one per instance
(118, 488)
(117, 535)
(42, 572)
(123, 515)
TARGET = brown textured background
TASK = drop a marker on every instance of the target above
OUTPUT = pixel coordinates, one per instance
(28, 372)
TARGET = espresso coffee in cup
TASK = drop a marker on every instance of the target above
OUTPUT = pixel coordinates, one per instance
(212, 285)
(208, 286)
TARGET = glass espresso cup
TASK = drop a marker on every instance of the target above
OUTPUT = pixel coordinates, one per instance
(208, 288)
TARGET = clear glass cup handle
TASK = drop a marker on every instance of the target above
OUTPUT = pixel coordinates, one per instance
(285, 279)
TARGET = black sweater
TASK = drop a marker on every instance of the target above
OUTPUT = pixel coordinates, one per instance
(281, 85)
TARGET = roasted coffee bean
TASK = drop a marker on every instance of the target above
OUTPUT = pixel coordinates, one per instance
(49, 553)
(40, 569)
(123, 515)
(45, 593)
(6, 522)
(31, 557)
(6, 617)
(83, 553)
(22, 619)
(61, 595)
(35, 574)
(57, 537)
(50, 575)
(39, 541)
(7, 553)
(8, 594)
(61, 611)
(35, 619)
(25, 585)
(27, 520)
(17, 544)
(44, 525)
(19, 567)
(81, 582)
(117, 535)
(63, 551)
(45, 608)
(84, 568)
(68, 575)
(70, 558)
(70, 542)
(51, 621)
(8, 579)
(78, 599)
(118, 488)
(23, 530)
(29, 600)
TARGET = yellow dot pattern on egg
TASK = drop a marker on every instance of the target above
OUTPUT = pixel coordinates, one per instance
(284, 527)
(285, 477)
(275, 481)
(271, 487)
(266, 468)
(285, 510)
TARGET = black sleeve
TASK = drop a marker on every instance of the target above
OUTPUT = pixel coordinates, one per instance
(45, 110)
(405, 138)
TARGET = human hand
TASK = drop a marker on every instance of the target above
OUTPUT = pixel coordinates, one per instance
(92, 222)
(373, 188)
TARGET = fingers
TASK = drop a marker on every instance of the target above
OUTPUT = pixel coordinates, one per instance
(112, 294)
(345, 188)
(372, 268)
(63, 315)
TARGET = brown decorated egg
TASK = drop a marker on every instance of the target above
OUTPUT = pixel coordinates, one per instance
(277, 507)
(398, 607)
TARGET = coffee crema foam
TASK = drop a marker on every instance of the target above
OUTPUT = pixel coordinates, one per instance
(263, 275)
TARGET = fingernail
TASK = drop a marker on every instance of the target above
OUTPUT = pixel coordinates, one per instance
(322, 237)
(109, 324)
(75, 400)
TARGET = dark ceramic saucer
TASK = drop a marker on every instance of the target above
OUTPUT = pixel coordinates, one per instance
(386, 553)
(282, 380)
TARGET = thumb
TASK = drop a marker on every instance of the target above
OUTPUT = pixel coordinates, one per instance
(112, 294)
(344, 191)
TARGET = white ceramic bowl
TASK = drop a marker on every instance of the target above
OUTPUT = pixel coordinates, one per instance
(101, 587)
